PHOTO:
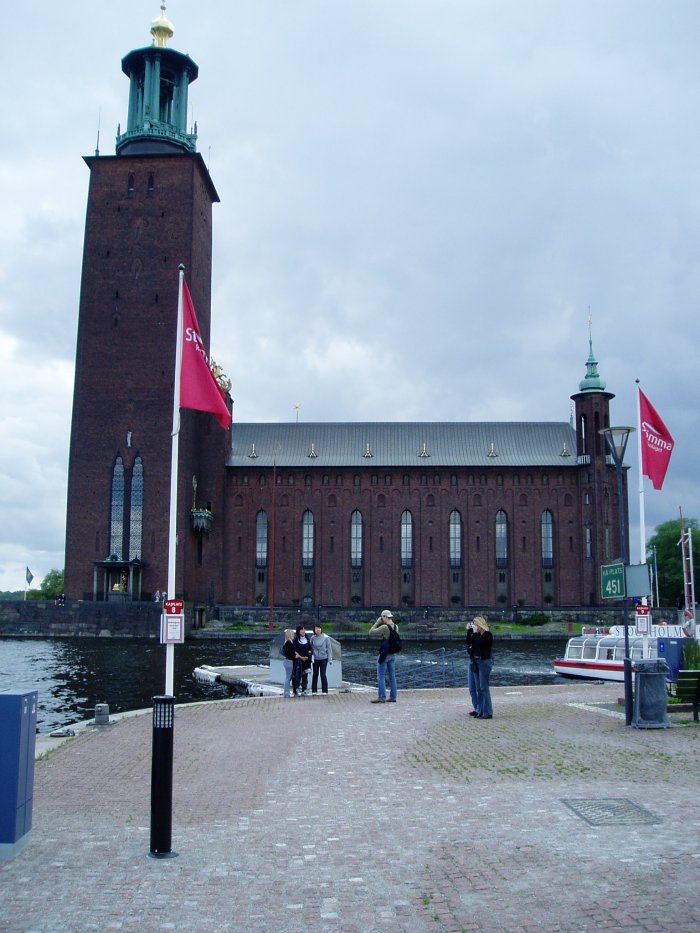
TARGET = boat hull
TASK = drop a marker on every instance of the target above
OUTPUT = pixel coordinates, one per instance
(590, 670)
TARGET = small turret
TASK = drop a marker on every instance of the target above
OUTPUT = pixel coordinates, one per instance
(160, 78)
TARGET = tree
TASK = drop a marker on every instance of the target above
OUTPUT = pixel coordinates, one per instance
(51, 586)
(669, 558)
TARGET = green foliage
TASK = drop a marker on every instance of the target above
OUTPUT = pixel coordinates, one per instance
(669, 563)
(535, 618)
(51, 586)
(691, 656)
(11, 595)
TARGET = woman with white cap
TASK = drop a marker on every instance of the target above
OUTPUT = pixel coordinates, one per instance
(386, 662)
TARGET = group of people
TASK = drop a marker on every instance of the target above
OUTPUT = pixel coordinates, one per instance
(302, 654)
(479, 649)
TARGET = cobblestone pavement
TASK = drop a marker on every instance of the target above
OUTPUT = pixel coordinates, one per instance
(333, 814)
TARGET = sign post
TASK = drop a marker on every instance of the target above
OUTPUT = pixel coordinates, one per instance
(172, 632)
(612, 581)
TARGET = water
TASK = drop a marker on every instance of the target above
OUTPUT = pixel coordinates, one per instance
(72, 675)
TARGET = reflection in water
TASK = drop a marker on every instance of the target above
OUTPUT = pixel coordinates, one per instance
(72, 675)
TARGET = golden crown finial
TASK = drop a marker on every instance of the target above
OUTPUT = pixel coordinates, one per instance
(162, 29)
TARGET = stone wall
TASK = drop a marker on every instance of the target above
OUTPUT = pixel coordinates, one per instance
(80, 619)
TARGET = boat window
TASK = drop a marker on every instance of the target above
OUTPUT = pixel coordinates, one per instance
(636, 652)
(620, 653)
(574, 651)
(589, 651)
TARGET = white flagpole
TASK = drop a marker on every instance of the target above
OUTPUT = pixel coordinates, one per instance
(175, 448)
(642, 520)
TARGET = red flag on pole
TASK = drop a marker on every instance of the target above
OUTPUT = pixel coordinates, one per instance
(198, 387)
(657, 443)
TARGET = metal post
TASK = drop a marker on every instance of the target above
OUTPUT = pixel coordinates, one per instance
(162, 778)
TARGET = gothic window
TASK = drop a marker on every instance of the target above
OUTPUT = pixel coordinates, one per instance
(136, 516)
(501, 539)
(406, 539)
(116, 525)
(547, 527)
(356, 539)
(307, 539)
(455, 539)
(261, 539)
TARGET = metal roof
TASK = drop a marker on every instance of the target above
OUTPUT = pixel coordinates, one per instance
(383, 444)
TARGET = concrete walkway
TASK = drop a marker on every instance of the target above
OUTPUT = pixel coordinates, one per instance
(333, 814)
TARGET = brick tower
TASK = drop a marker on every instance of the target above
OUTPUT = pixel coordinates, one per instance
(149, 209)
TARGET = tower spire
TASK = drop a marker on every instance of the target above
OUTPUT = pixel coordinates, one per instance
(592, 382)
(159, 80)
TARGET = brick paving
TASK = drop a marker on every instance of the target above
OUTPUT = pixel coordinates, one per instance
(333, 814)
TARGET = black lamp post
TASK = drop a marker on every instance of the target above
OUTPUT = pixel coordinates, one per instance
(617, 443)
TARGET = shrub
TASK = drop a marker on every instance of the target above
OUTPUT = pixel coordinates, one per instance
(536, 618)
(691, 656)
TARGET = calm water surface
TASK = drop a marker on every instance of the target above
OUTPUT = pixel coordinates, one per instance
(72, 675)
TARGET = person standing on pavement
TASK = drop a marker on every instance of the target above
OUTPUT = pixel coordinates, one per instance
(289, 655)
(472, 669)
(483, 645)
(302, 662)
(323, 656)
(386, 662)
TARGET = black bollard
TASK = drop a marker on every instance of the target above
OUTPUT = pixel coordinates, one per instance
(162, 778)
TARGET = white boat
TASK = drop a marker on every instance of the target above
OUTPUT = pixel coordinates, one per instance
(600, 655)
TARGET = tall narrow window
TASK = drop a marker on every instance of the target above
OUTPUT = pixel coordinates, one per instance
(589, 544)
(261, 539)
(136, 511)
(547, 539)
(116, 525)
(406, 539)
(307, 539)
(356, 539)
(501, 539)
(455, 539)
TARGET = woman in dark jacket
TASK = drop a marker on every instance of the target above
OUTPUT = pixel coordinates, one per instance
(289, 655)
(482, 647)
(302, 663)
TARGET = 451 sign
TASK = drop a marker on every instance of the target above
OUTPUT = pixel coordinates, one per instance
(612, 581)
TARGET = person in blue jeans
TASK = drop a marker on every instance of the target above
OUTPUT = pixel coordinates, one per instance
(472, 669)
(386, 663)
(483, 645)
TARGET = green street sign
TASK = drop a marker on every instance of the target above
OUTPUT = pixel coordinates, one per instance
(612, 581)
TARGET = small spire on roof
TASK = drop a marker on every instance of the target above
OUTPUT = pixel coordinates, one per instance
(162, 29)
(253, 453)
(368, 452)
(312, 451)
(492, 450)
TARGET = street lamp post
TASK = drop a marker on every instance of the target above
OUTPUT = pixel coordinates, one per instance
(617, 443)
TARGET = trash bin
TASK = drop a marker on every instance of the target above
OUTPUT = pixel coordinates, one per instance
(650, 698)
(17, 748)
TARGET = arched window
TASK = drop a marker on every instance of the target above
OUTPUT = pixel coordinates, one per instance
(356, 539)
(501, 539)
(116, 525)
(455, 539)
(136, 516)
(261, 539)
(547, 539)
(307, 539)
(406, 539)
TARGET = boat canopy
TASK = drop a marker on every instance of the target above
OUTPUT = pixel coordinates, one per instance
(607, 648)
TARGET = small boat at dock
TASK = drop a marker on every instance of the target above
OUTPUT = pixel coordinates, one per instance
(600, 654)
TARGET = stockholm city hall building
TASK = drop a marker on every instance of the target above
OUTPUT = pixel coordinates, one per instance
(348, 515)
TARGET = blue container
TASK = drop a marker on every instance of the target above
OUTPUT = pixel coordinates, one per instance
(671, 650)
(17, 750)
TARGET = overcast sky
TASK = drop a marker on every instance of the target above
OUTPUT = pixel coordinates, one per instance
(420, 202)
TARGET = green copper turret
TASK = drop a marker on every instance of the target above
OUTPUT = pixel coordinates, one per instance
(160, 78)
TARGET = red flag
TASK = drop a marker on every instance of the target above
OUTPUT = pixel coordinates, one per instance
(657, 443)
(198, 387)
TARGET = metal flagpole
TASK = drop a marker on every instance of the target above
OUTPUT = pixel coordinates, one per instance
(175, 449)
(642, 520)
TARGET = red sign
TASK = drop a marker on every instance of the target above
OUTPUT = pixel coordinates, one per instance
(173, 607)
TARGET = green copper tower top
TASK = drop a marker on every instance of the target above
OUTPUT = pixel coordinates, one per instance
(592, 382)
(159, 79)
